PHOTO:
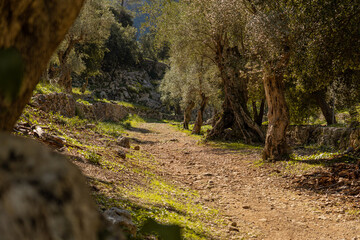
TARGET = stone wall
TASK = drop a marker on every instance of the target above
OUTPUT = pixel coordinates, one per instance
(130, 85)
(66, 105)
(336, 137)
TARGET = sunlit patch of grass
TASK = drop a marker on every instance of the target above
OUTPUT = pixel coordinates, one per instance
(83, 101)
(316, 156)
(122, 103)
(132, 120)
(77, 90)
(110, 128)
(46, 88)
(234, 145)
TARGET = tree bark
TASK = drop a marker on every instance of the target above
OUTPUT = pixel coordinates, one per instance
(326, 110)
(258, 116)
(84, 86)
(65, 80)
(187, 114)
(200, 113)
(35, 28)
(276, 147)
(235, 113)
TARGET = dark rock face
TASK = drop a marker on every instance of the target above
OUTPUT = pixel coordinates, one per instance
(43, 196)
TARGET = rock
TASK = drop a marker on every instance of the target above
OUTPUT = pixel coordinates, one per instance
(38, 131)
(43, 196)
(246, 207)
(123, 142)
(137, 148)
(121, 218)
(208, 174)
(90, 126)
(121, 153)
(53, 140)
(234, 229)
(103, 95)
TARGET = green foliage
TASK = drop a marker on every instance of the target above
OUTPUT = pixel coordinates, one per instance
(123, 48)
(11, 73)
(92, 157)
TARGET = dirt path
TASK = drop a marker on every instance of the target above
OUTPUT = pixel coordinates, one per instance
(258, 204)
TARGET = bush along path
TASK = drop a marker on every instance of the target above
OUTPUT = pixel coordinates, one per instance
(211, 190)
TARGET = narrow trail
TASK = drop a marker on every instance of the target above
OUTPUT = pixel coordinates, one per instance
(258, 204)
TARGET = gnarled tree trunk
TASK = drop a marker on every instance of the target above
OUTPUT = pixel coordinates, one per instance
(235, 113)
(187, 114)
(276, 147)
(200, 113)
(326, 110)
(258, 116)
(35, 28)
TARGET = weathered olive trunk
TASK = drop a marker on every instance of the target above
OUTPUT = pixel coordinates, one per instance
(85, 85)
(235, 115)
(258, 116)
(65, 80)
(200, 113)
(187, 114)
(276, 147)
(326, 110)
(35, 28)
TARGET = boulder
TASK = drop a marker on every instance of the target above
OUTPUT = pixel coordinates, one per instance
(123, 142)
(43, 196)
(121, 218)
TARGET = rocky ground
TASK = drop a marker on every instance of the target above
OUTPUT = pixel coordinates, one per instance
(259, 202)
(213, 190)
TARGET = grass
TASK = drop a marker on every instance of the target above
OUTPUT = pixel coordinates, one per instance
(79, 100)
(44, 88)
(234, 145)
(77, 91)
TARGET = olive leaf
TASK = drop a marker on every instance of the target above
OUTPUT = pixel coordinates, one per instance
(11, 73)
